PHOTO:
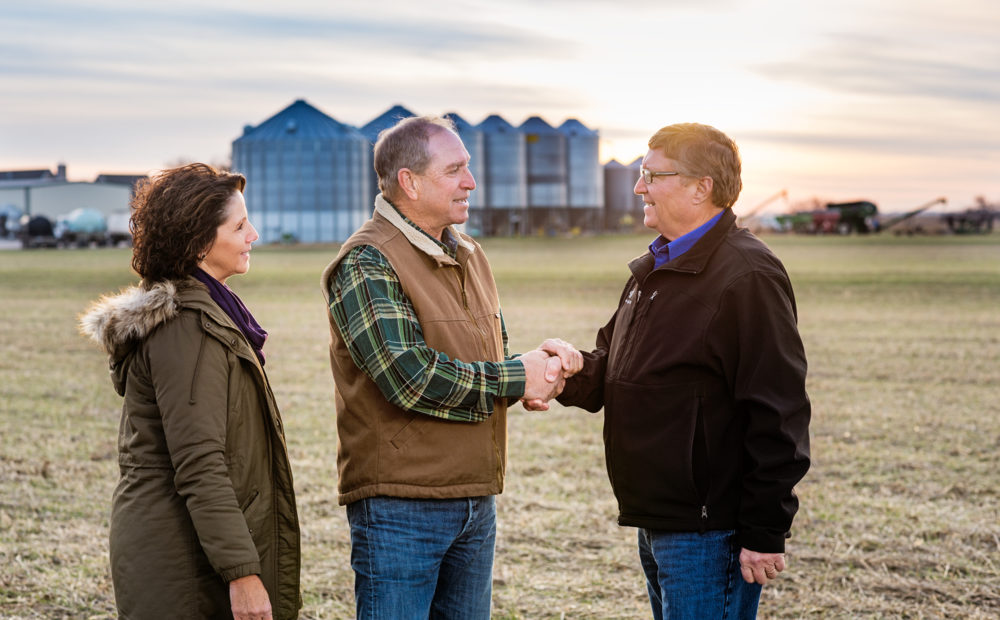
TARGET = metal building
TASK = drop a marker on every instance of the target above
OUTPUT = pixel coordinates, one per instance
(548, 201)
(622, 208)
(475, 144)
(58, 198)
(371, 130)
(306, 176)
(40, 192)
(506, 177)
(584, 178)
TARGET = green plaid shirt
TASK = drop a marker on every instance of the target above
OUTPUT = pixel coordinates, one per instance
(383, 335)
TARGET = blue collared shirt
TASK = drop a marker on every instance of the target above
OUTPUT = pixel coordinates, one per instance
(665, 251)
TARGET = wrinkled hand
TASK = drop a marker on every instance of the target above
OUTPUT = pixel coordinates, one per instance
(543, 377)
(249, 599)
(761, 567)
(570, 362)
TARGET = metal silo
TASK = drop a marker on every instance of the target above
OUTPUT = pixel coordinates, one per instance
(547, 169)
(306, 176)
(506, 177)
(585, 178)
(623, 209)
(475, 144)
(371, 130)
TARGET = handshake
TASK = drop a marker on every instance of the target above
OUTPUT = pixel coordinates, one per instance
(546, 370)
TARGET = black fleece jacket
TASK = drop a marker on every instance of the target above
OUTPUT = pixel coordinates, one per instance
(701, 374)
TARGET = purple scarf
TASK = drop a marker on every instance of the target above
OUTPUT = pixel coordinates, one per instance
(233, 306)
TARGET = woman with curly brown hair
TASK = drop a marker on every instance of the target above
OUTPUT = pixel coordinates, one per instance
(203, 520)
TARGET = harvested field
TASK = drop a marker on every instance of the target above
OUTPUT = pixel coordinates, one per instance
(900, 512)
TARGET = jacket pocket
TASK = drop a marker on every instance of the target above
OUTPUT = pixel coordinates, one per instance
(655, 447)
(255, 512)
(409, 430)
(250, 499)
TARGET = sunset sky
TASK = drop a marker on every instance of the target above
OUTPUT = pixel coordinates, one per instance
(895, 101)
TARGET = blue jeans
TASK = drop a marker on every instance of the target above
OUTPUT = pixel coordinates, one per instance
(423, 558)
(692, 576)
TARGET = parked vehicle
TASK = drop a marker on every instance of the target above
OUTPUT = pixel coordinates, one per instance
(10, 221)
(37, 232)
(118, 229)
(82, 227)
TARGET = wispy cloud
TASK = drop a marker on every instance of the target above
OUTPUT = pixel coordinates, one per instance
(254, 28)
(881, 143)
(130, 85)
(877, 66)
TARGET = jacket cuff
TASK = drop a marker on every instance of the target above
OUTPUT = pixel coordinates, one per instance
(762, 541)
(571, 393)
(240, 570)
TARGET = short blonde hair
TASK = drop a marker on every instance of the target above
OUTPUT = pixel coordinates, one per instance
(703, 151)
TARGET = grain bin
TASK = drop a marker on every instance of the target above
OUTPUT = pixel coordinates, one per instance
(371, 130)
(622, 208)
(306, 176)
(546, 164)
(506, 176)
(475, 144)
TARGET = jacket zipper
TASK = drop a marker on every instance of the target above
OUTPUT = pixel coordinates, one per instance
(700, 422)
(638, 316)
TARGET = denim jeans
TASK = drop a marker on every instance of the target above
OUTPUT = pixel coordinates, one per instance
(423, 558)
(692, 576)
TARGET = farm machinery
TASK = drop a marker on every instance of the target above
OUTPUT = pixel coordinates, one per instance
(81, 228)
(837, 218)
(36, 232)
(978, 219)
(910, 222)
(863, 217)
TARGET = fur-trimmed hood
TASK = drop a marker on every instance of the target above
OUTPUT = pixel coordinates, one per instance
(117, 322)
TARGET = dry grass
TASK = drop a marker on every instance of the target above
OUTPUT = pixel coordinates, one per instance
(899, 513)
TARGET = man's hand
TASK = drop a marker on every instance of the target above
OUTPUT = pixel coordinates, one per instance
(572, 360)
(570, 363)
(761, 567)
(249, 599)
(543, 377)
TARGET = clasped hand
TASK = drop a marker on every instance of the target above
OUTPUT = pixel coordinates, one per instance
(546, 370)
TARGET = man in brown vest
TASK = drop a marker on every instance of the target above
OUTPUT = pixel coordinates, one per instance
(423, 378)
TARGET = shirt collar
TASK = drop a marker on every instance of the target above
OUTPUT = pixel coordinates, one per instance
(664, 250)
(418, 236)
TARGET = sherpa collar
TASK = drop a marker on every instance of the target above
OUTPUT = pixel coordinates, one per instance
(416, 236)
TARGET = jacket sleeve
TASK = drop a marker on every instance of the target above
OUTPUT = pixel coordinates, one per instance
(585, 389)
(190, 374)
(756, 337)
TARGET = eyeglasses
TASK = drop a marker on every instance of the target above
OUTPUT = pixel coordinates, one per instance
(648, 175)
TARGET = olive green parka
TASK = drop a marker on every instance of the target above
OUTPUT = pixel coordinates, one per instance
(205, 494)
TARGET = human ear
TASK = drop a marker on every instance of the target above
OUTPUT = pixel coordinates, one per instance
(409, 183)
(703, 191)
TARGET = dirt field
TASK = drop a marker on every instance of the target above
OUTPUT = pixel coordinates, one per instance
(900, 513)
